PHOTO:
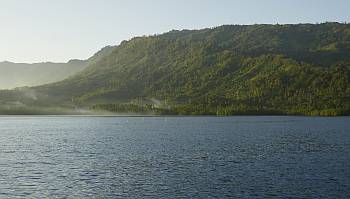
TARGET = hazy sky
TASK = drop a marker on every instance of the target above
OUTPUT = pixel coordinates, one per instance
(59, 30)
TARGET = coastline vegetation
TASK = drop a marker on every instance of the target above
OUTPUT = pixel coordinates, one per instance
(292, 69)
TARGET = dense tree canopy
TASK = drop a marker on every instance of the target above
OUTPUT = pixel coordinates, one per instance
(233, 69)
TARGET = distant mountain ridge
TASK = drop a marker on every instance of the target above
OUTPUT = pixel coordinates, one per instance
(233, 69)
(13, 75)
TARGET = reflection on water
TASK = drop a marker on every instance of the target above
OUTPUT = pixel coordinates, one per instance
(191, 157)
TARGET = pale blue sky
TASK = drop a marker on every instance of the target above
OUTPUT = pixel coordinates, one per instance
(59, 30)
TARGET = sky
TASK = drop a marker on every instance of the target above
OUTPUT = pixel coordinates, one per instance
(60, 30)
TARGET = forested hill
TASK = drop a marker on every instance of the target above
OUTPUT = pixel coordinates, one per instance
(232, 69)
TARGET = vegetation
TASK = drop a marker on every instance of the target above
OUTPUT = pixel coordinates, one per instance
(299, 69)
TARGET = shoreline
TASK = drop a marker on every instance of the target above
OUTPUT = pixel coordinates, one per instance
(67, 115)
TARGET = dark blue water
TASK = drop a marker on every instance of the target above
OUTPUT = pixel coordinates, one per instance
(174, 157)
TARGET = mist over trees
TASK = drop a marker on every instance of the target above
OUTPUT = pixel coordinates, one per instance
(233, 69)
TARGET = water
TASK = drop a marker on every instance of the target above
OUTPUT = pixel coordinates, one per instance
(174, 157)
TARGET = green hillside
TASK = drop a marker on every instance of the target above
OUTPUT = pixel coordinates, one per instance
(233, 69)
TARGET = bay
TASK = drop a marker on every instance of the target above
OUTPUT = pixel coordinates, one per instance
(174, 157)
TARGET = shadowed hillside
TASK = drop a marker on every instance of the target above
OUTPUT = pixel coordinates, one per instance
(233, 69)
